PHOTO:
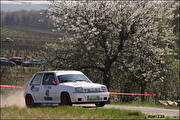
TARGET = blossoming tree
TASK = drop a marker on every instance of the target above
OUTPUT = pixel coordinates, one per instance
(131, 36)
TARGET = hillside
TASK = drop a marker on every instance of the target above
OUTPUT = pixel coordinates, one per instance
(25, 39)
(25, 43)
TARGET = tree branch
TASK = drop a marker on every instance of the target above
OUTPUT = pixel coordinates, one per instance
(89, 67)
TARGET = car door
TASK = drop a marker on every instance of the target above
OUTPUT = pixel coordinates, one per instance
(35, 86)
(49, 91)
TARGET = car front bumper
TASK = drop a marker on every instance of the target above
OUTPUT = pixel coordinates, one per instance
(89, 97)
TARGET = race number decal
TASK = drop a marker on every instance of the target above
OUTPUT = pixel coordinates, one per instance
(47, 96)
(47, 93)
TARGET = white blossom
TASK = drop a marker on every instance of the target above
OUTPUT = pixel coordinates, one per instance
(99, 26)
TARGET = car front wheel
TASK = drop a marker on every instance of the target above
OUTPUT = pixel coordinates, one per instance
(65, 99)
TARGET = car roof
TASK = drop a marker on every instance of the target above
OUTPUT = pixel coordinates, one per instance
(62, 72)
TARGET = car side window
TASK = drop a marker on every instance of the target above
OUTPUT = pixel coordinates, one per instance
(37, 79)
(48, 79)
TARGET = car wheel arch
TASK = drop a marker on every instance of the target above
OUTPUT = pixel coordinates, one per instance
(65, 92)
(30, 95)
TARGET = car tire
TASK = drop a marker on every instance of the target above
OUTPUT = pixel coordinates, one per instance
(100, 104)
(29, 101)
(65, 99)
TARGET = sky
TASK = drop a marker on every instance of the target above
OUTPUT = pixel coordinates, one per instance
(22, 2)
(10, 6)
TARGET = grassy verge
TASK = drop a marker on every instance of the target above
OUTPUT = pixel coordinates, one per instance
(67, 112)
(147, 104)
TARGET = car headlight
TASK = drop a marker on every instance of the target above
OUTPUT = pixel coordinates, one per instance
(79, 90)
(104, 89)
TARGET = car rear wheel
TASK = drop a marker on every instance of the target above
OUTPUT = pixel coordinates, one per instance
(29, 101)
(65, 99)
(100, 104)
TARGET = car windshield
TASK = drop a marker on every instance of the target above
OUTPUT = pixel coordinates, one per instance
(72, 78)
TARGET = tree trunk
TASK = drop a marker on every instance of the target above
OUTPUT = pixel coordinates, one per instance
(107, 72)
(143, 88)
(107, 78)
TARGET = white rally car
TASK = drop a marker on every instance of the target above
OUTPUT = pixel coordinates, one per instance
(64, 88)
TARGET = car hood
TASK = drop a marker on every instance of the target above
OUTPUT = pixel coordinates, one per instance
(82, 84)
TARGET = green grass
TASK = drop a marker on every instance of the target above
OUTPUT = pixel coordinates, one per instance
(68, 112)
(147, 104)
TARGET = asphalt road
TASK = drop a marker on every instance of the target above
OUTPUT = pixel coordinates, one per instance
(147, 110)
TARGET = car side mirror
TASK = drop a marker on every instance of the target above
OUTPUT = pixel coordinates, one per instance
(54, 83)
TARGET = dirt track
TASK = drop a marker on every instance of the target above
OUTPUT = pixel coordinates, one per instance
(147, 110)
